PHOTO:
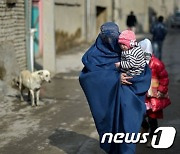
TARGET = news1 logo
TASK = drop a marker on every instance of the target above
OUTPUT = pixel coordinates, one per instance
(166, 138)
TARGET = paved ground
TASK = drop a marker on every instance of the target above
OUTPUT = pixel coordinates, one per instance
(63, 124)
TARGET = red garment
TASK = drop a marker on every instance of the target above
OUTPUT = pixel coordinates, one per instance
(159, 82)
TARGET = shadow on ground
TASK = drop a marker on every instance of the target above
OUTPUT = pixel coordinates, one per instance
(74, 143)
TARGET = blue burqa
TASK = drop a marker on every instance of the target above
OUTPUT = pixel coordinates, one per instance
(116, 108)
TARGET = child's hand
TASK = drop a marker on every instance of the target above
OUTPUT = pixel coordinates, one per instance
(160, 94)
(124, 78)
(117, 64)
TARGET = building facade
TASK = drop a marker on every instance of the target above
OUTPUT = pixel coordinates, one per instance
(144, 11)
(61, 24)
(12, 39)
(79, 20)
(12, 28)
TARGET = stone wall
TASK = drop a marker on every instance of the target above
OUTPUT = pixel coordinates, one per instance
(12, 30)
(12, 37)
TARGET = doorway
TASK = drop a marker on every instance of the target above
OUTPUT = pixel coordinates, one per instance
(101, 17)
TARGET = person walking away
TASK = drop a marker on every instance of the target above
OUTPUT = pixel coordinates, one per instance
(157, 96)
(131, 21)
(158, 31)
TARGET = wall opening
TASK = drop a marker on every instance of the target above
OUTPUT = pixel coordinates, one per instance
(101, 17)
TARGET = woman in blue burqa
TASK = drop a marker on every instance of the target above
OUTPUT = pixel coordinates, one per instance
(116, 105)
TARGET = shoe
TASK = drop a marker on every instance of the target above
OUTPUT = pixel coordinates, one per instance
(148, 144)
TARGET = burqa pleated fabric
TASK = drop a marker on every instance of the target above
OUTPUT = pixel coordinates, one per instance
(115, 108)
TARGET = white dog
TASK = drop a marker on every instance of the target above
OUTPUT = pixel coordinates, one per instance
(33, 82)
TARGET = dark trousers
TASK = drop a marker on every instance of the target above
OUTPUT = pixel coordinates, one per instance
(157, 49)
(150, 123)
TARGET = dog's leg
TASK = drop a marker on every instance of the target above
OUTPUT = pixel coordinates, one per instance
(21, 95)
(21, 89)
(37, 97)
(29, 95)
(32, 98)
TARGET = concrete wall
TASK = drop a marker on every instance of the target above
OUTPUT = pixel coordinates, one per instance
(69, 16)
(79, 20)
(12, 31)
(49, 60)
(143, 10)
(69, 23)
(162, 7)
(95, 20)
(123, 8)
(177, 4)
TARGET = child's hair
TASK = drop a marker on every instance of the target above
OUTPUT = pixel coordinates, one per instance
(128, 38)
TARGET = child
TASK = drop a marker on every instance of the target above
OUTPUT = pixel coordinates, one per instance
(157, 97)
(132, 57)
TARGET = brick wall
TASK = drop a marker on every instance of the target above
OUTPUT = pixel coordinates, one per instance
(12, 29)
